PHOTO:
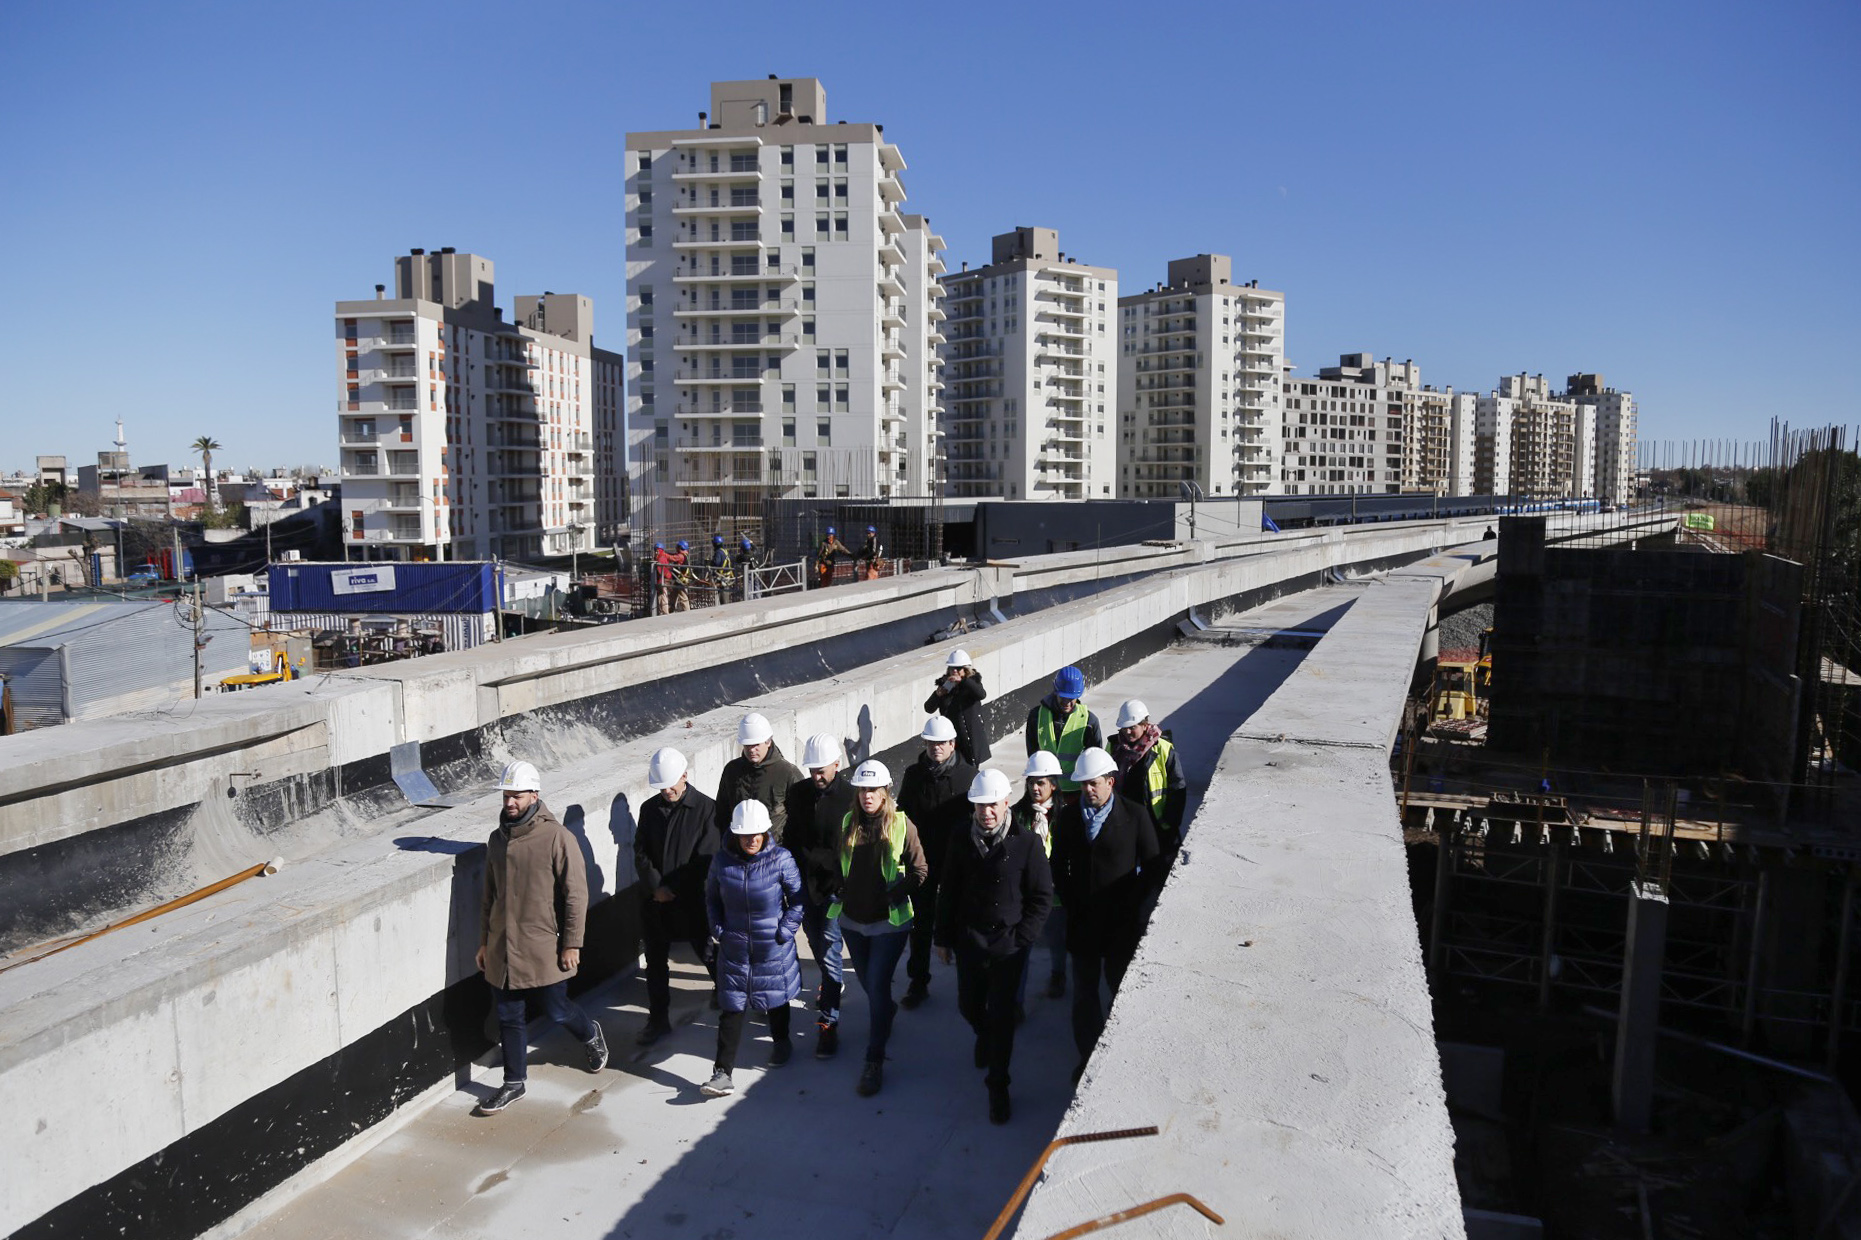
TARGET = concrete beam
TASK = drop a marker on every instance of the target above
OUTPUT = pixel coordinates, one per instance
(1276, 1023)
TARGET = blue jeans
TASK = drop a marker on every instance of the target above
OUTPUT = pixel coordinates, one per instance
(511, 1006)
(1054, 936)
(823, 934)
(875, 959)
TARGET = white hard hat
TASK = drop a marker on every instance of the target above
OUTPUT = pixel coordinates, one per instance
(1093, 763)
(822, 749)
(958, 658)
(665, 768)
(872, 774)
(989, 787)
(938, 728)
(754, 730)
(520, 777)
(749, 818)
(1132, 712)
(1041, 763)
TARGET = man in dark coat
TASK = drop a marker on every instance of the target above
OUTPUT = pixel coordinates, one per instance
(816, 807)
(996, 895)
(1099, 847)
(530, 933)
(672, 850)
(958, 697)
(759, 773)
(934, 794)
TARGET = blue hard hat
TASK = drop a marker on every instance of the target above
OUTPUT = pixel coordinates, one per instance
(830, 529)
(683, 545)
(1069, 682)
(744, 541)
(717, 540)
(659, 546)
(872, 529)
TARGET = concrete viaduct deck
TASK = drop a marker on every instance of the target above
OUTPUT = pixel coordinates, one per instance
(247, 1036)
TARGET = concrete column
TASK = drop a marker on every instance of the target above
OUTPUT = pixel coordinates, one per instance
(1638, 1025)
(1553, 876)
(1437, 927)
(1754, 966)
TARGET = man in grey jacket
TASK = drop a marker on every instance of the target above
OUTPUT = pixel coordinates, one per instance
(530, 940)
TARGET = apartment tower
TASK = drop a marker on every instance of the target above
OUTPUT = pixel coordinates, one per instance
(780, 313)
(1198, 384)
(1032, 371)
(1616, 435)
(463, 436)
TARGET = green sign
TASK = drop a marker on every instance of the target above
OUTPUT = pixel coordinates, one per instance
(1698, 521)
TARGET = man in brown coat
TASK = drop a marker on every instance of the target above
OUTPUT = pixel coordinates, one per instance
(530, 941)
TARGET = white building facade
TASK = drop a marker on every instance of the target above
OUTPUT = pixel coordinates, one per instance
(780, 313)
(463, 436)
(1032, 372)
(1199, 399)
(1616, 432)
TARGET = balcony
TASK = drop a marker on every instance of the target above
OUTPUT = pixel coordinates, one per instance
(889, 282)
(778, 275)
(783, 307)
(735, 205)
(358, 469)
(891, 190)
(718, 243)
(578, 443)
(782, 340)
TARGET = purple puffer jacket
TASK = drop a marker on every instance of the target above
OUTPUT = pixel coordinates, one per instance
(754, 904)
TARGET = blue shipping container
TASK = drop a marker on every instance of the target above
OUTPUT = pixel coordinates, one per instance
(385, 586)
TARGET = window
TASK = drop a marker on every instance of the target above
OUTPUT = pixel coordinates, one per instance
(823, 396)
(823, 361)
(788, 227)
(807, 257)
(646, 161)
(807, 292)
(840, 153)
(788, 157)
(823, 431)
(646, 234)
(840, 189)
(843, 361)
(646, 297)
(820, 156)
(807, 328)
(821, 226)
(788, 400)
(840, 225)
(841, 399)
(788, 191)
(820, 191)
(788, 424)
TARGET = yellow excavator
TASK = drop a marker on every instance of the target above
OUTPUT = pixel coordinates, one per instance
(273, 661)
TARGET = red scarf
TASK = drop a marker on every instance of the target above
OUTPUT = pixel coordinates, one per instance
(1131, 754)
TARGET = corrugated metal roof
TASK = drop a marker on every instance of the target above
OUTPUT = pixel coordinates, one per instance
(25, 623)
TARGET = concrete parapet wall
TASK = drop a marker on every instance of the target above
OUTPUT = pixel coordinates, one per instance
(1276, 1023)
(258, 1022)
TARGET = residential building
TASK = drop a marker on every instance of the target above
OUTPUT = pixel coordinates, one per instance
(1438, 439)
(1616, 435)
(1032, 373)
(53, 469)
(1344, 427)
(779, 313)
(1532, 443)
(464, 436)
(120, 489)
(1198, 387)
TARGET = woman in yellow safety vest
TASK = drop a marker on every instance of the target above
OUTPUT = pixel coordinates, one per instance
(1150, 773)
(881, 864)
(1035, 812)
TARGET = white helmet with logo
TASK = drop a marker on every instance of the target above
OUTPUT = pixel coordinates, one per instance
(1093, 763)
(1132, 712)
(665, 768)
(754, 730)
(938, 728)
(872, 774)
(750, 818)
(989, 787)
(520, 777)
(822, 749)
(1041, 765)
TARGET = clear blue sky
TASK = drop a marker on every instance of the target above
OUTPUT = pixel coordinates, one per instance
(1666, 193)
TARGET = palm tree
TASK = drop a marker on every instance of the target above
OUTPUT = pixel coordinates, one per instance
(207, 445)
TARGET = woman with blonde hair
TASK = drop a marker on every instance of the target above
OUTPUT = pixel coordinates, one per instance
(881, 864)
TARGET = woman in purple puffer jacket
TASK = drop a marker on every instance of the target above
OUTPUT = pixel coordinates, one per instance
(753, 899)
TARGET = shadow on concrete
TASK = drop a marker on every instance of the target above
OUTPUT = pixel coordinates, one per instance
(1201, 727)
(434, 844)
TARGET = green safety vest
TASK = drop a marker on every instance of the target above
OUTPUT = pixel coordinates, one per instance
(1155, 777)
(1066, 746)
(897, 903)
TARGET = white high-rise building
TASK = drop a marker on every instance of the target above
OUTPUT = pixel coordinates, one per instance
(1344, 428)
(1437, 438)
(464, 436)
(780, 312)
(1032, 373)
(1532, 443)
(1616, 435)
(1199, 384)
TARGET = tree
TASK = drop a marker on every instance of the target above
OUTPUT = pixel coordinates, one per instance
(40, 496)
(207, 445)
(9, 573)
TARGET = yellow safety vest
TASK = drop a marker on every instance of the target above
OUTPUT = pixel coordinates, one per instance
(1066, 746)
(898, 904)
(1156, 777)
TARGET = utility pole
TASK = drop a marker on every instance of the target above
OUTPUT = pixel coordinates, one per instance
(199, 623)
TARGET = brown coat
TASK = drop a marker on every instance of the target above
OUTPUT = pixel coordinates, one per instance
(536, 902)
